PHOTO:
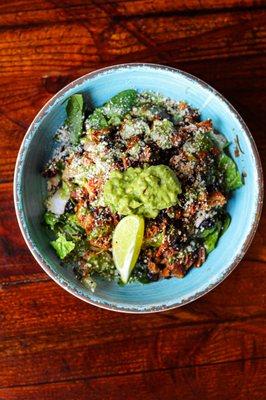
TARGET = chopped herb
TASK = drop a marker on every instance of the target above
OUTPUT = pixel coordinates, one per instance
(154, 241)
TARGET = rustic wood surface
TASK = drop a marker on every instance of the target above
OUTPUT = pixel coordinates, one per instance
(52, 345)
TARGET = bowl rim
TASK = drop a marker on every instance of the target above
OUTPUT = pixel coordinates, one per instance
(64, 282)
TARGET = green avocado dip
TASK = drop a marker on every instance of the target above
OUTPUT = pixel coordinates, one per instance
(143, 191)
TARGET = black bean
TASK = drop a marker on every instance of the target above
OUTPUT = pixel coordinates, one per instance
(152, 277)
(70, 206)
(207, 223)
(81, 150)
(77, 272)
(50, 172)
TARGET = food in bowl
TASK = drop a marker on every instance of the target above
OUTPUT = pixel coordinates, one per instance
(138, 188)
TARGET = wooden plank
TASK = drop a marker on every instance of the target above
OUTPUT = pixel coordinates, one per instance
(36, 49)
(140, 7)
(39, 12)
(186, 34)
(227, 324)
(237, 380)
(54, 345)
(15, 258)
(246, 283)
(239, 296)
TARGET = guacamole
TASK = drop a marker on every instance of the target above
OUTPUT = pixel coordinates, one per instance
(143, 191)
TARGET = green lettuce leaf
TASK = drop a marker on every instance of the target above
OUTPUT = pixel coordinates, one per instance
(120, 104)
(211, 235)
(72, 230)
(74, 119)
(62, 246)
(113, 110)
(211, 240)
(226, 223)
(51, 219)
(207, 231)
(97, 120)
(68, 226)
(232, 177)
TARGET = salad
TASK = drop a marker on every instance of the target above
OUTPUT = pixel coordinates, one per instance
(137, 188)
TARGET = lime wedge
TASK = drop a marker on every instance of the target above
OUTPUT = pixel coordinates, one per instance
(127, 241)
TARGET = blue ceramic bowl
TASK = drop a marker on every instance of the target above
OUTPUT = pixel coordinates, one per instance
(244, 207)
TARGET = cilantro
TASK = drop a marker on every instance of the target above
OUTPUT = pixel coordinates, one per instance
(203, 141)
(68, 226)
(98, 231)
(154, 241)
(102, 263)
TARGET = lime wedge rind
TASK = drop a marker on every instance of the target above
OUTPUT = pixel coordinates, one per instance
(127, 242)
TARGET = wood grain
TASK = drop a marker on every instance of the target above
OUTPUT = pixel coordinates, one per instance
(84, 44)
(36, 12)
(214, 382)
(103, 344)
(52, 345)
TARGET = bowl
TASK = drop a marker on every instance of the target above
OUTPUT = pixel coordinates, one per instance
(244, 206)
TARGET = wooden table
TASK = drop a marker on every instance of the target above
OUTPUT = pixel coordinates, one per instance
(54, 346)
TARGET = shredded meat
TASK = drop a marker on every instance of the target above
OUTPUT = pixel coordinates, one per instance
(216, 199)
